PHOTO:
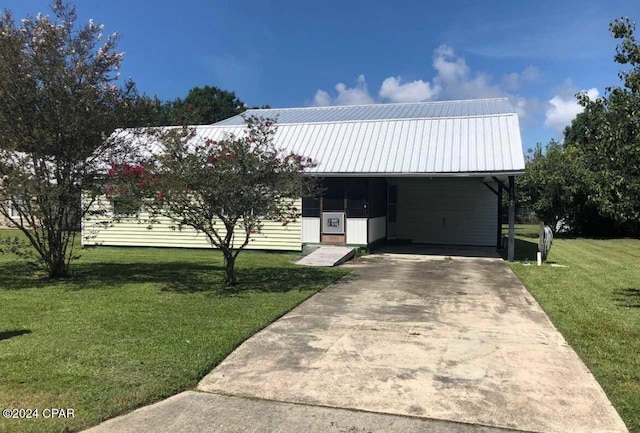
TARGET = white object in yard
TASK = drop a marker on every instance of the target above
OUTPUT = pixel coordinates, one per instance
(328, 256)
(539, 256)
(545, 240)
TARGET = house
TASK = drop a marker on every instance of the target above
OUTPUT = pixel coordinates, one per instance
(431, 173)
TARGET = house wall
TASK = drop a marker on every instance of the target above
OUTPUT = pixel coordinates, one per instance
(377, 228)
(5, 223)
(356, 231)
(453, 211)
(310, 230)
(131, 232)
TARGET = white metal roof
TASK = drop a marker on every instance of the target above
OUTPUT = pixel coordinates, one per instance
(369, 141)
(452, 138)
(414, 110)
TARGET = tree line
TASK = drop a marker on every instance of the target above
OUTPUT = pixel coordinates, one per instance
(588, 184)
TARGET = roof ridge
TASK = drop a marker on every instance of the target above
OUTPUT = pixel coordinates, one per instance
(328, 107)
(389, 119)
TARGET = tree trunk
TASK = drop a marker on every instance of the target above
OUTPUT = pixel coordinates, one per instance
(57, 268)
(229, 269)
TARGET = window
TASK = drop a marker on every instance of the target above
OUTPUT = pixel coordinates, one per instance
(357, 202)
(124, 208)
(377, 197)
(311, 207)
(14, 212)
(392, 210)
(333, 200)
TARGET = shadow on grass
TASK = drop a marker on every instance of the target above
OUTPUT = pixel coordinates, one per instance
(5, 335)
(178, 277)
(524, 250)
(628, 297)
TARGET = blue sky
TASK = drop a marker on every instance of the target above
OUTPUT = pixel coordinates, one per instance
(296, 53)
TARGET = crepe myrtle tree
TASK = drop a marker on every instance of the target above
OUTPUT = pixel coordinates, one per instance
(224, 189)
(59, 102)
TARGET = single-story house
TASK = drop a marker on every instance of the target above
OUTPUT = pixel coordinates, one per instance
(428, 173)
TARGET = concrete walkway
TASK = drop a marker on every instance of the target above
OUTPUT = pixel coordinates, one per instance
(418, 338)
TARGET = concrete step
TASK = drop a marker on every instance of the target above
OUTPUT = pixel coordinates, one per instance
(328, 256)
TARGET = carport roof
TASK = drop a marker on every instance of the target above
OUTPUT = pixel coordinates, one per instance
(450, 138)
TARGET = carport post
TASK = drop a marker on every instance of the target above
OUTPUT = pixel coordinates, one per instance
(499, 228)
(512, 219)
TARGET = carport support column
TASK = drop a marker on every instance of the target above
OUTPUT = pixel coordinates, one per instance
(512, 219)
(499, 228)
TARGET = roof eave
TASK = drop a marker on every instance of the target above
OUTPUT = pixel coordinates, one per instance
(439, 174)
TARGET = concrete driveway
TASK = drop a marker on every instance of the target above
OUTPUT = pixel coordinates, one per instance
(425, 336)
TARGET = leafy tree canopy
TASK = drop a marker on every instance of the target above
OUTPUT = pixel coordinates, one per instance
(224, 189)
(60, 100)
(592, 180)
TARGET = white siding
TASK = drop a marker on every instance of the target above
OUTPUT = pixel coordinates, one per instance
(446, 211)
(130, 232)
(377, 228)
(310, 230)
(357, 231)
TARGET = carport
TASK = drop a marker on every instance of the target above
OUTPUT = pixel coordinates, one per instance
(424, 173)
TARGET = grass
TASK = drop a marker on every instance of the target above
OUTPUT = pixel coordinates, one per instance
(594, 300)
(132, 326)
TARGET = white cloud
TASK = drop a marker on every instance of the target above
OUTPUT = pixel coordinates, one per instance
(416, 91)
(563, 109)
(321, 99)
(356, 95)
(453, 79)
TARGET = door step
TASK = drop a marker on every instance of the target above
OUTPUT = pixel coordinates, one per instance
(328, 256)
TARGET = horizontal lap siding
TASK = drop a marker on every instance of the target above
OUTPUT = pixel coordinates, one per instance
(447, 211)
(129, 232)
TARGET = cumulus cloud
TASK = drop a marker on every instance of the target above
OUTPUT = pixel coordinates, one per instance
(395, 90)
(321, 99)
(356, 95)
(563, 109)
(453, 79)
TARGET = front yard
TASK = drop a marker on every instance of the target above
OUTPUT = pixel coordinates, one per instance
(593, 298)
(131, 327)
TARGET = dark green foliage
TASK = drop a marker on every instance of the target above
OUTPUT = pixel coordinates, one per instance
(592, 180)
(202, 106)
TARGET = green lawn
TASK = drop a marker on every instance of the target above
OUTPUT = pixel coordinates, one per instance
(132, 326)
(594, 300)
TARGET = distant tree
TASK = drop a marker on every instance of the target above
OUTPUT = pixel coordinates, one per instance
(59, 103)
(551, 184)
(205, 105)
(223, 189)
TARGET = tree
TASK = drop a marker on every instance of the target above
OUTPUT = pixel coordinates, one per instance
(592, 180)
(550, 183)
(607, 135)
(203, 106)
(222, 189)
(59, 101)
